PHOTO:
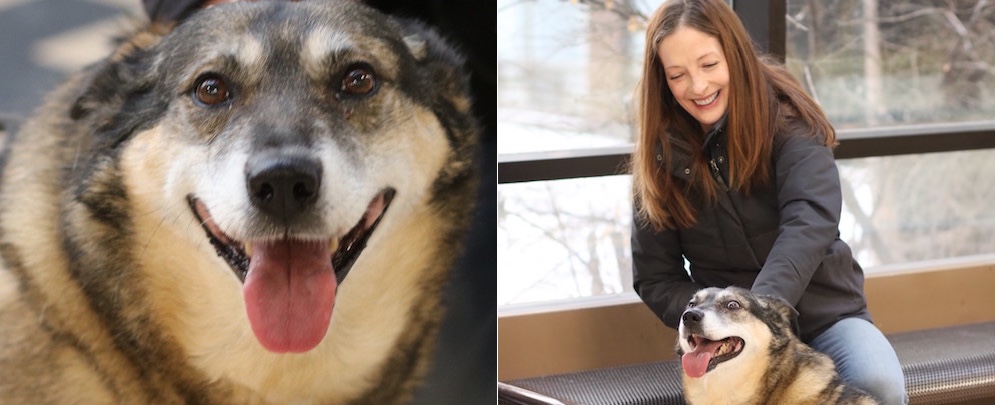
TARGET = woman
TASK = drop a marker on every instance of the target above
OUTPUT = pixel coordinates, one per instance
(734, 172)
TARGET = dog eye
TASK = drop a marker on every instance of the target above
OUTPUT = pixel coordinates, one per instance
(211, 90)
(691, 304)
(359, 80)
(733, 305)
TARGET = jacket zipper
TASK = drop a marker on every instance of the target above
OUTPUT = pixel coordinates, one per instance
(718, 175)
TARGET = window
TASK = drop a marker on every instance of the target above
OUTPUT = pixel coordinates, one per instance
(566, 73)
(873, 63)
(902, 77)
(563, 239)
(912, 64)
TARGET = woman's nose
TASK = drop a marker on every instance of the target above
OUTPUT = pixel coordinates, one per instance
(698, 84)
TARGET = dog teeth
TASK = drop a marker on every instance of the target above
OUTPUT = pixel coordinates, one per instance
(333, 245)
(248, 249)
(728, 346)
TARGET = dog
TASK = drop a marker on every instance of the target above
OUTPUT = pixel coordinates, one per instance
(259, 205)
(737, 347)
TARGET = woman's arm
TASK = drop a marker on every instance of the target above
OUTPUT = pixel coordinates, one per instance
(808, 193)
(658, 273)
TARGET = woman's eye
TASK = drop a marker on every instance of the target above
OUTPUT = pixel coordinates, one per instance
(711, 65)
(358, 81)
(211, 90)
(675, 77)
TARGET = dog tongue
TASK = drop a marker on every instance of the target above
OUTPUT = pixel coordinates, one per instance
(696, 363)
(289, 292)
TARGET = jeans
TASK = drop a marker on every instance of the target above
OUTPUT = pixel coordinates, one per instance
(864, 359)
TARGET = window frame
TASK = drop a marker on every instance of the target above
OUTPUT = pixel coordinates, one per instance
(853, 143)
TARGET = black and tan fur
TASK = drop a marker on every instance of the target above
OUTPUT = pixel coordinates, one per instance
(112, 290)
(765, 363)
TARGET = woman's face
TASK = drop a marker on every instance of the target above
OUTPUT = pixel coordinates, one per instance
(696, 72)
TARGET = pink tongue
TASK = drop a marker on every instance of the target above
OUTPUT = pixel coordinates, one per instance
(696, 363)
(289, 293)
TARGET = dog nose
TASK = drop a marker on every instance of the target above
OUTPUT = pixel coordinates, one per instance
(283, 186)
(691, 317)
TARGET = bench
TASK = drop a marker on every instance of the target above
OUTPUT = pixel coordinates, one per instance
(954, 365)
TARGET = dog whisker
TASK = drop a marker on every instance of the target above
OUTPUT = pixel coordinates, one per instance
(164, 214)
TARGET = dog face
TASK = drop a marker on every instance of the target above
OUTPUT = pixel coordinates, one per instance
(290, 147)
(290, 136)
(263, 202)
(724, 328)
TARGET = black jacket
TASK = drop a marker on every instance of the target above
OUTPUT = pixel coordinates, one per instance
(782, 239)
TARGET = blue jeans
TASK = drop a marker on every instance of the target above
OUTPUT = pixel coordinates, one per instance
(865, 359)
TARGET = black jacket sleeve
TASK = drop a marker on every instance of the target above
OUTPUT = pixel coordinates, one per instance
(808, 194)
(658, 273)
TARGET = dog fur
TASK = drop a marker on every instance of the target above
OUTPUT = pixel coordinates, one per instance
(131, 221)
(740, 348)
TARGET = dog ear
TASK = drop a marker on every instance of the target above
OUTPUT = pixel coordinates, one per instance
(425, 43)
(440, 77)
(785, 311)
(440, 64)
(417, 46)
(104, 81)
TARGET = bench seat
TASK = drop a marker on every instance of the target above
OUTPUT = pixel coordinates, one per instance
(954, 365)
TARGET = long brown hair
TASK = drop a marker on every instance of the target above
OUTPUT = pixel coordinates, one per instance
(762, 95)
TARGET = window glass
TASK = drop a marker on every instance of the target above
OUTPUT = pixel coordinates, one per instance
(903, 209)
(567, 71)
(895, 62)
(563, 239)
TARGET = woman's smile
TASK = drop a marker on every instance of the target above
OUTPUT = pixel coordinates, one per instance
(697, 73)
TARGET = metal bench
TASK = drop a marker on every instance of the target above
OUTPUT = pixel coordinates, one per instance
(954, 365)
